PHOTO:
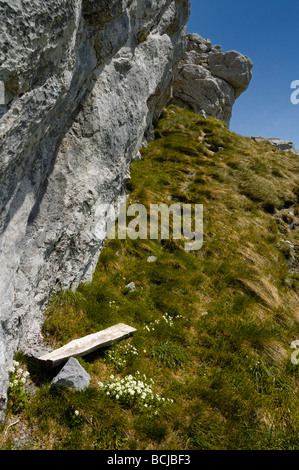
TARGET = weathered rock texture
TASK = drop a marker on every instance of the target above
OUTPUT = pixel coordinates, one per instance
(208, 80)
(84, 80)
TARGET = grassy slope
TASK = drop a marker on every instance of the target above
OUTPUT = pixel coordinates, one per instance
(228, 372)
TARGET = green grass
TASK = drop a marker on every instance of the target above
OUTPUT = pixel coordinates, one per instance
(228, 372)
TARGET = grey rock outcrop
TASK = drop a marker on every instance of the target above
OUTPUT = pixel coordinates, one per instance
(130, 287)
(151, 259)
(283, 145)
(84, 81)
(208, 80)
(72, 375)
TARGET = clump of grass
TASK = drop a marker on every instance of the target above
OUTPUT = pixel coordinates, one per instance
(154, 430)
(170, 355)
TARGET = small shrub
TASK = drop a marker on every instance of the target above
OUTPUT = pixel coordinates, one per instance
(136, 392)
(216, 122)
(121, 355)
(74, 417)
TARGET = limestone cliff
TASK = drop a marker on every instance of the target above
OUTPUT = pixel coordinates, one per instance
(84, 80)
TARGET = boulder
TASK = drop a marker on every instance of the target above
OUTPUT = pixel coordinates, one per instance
(208, 80)
(197, 89)
(72, 375)
(233, 67)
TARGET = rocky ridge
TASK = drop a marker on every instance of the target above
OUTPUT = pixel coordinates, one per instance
(84, 82)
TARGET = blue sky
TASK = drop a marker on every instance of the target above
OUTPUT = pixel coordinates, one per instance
(267, 32)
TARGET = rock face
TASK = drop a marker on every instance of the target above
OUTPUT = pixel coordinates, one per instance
(283, 145)
(84, 80)
(208, 80)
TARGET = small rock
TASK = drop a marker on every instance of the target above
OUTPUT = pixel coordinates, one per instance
(131, 287)
(283, 145)
(151, 259)
(72, 375)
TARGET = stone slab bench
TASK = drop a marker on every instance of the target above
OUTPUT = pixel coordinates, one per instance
(87, 344)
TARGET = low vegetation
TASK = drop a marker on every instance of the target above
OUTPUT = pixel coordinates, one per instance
(214, 326)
